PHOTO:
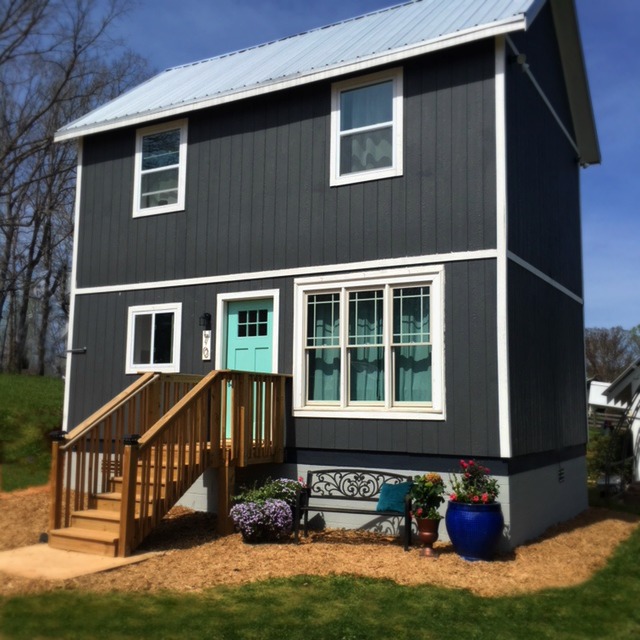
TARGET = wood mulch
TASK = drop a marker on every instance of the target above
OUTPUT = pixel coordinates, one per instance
(192, 558)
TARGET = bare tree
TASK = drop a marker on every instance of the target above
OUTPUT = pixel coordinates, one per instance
(57, 61)
(609, 352)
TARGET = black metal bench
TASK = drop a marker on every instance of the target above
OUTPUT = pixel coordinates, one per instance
(360, 486)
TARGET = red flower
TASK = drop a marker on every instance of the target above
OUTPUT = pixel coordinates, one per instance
(463, 464)
(485, 498)
(453, 497)
(419, 511)
(476, 499)
(471, 463)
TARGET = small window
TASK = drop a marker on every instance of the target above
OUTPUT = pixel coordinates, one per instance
(153, 342)
(160, 169)
(366, 128)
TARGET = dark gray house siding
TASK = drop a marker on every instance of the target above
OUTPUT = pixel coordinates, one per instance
(546, 361)
(258, 195)
(470, 363)
(543, 172)
(545, 325)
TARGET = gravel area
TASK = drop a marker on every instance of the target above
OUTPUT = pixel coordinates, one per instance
(193, 558)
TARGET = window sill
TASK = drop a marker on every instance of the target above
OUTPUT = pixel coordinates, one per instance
(365, 176)
(401, 413)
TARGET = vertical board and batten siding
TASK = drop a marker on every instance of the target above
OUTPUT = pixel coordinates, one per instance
(543, 171)
(546, 360)
(470, 362)
(257, 189)
(258, 198)
(546, 351)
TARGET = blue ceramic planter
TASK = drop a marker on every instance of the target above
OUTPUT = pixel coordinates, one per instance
(474, 529)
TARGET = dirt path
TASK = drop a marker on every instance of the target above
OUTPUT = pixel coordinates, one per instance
(193, 558)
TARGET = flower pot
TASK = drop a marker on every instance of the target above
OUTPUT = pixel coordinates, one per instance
(474, 529)
(427, 533)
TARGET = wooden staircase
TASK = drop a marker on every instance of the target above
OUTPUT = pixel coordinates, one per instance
(111, 486)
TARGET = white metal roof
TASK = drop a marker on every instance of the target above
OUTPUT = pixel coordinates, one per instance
(392, 34)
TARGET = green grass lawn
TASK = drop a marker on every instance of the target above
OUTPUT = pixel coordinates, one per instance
(30, 407)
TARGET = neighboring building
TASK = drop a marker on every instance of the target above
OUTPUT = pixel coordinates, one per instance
(624, 392)
(603, 413)
(389, 210)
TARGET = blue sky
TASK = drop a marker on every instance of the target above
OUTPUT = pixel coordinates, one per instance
(169, 34)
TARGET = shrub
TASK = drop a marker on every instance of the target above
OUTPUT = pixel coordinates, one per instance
(266, 521)
(264, 513)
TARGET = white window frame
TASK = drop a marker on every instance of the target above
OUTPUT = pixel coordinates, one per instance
(138, 211)
(336, 179)
(133, 312)
(431, 276)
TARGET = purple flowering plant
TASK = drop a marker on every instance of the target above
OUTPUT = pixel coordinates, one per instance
(263, 522)
(264, 513)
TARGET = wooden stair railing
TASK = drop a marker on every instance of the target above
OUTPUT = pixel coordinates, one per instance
(131, 466)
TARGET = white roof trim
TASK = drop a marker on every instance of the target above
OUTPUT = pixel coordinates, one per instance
(517, 23)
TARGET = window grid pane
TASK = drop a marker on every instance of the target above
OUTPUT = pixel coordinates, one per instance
(253, 322)
(411, 315)
(365, 318)
(323, 358)
(323, 320)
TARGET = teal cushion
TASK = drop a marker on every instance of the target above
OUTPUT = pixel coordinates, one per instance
(392, 497)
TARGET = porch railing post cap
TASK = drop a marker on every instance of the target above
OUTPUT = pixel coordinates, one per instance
(58, 435)
(131, 440)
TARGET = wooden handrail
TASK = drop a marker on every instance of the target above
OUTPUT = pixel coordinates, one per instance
(147, 438)
(106, 410)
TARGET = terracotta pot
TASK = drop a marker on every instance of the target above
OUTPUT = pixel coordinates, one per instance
(427, 533)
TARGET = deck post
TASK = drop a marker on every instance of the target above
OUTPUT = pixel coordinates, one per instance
(226, 486)
(128, 505)
(56, 479)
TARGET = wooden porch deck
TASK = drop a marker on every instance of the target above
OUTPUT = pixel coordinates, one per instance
(115, 476)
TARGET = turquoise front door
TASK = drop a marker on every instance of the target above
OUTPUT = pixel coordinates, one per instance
(250, 335)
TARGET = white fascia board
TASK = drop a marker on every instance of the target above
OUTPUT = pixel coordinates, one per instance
(509, 25)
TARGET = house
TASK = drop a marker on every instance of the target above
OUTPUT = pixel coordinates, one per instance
(602, 412)
(624, 393)
(386, 210)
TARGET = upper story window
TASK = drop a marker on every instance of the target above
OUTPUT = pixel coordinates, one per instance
(370, 346)
(161, 162)
(153, 338)
(366, 128)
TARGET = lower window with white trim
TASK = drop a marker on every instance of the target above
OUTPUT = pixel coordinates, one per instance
(370, 344)
(153, 338)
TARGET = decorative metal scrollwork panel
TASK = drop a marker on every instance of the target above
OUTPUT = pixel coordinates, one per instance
(353, 484)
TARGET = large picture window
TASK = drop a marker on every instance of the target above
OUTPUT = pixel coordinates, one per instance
(371, 345)
(160, 169)
(153, 338)
(366, 127)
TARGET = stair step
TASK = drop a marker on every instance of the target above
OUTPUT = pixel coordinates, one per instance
(97, 520)
(112, 502)
(101, 543)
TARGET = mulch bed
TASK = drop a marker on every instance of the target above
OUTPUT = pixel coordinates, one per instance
(192, 557)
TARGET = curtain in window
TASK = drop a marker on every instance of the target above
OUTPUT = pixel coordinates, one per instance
(368, 107)
(412, 348)
(323, 347)
(366, 350)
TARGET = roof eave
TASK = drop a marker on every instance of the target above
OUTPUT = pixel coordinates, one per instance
(619, 390)
(516, 23)
(575, 74)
